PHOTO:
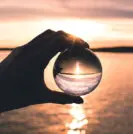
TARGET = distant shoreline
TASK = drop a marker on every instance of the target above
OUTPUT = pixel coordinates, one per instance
(6, 49)
(110, 49)
(114, 49)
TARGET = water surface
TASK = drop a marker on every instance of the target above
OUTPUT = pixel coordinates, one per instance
(106, 110)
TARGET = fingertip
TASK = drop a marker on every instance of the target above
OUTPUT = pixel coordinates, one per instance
(61, 32)
(78, 100)
(67, 36)
(86, 45)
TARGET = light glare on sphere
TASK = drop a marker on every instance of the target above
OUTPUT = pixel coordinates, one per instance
(77, 71)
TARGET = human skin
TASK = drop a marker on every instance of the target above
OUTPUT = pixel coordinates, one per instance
(22, 72)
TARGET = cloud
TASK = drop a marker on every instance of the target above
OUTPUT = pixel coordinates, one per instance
(21, 13)
(13, 10)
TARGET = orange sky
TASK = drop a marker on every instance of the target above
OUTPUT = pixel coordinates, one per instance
(101, 23)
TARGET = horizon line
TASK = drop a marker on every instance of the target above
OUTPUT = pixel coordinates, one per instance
(100, 49)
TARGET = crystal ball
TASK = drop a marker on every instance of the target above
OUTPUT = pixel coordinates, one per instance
(77, 71)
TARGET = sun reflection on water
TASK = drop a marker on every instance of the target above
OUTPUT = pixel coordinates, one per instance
(79, 121)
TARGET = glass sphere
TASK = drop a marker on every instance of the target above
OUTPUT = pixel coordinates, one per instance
(77, 71)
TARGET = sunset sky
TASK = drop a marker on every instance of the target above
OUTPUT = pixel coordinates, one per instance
(102, 23)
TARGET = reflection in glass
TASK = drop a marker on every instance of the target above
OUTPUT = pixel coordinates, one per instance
(77, 71)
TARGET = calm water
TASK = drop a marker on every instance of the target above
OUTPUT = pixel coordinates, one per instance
(107, 110)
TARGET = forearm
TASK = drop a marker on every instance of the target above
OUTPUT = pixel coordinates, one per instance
(10, 97)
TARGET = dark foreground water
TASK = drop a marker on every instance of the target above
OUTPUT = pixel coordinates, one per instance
(107, 110)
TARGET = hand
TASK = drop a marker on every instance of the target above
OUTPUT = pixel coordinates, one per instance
(21, 79)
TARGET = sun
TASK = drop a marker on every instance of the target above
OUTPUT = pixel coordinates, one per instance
(77, 68)
(88, 30)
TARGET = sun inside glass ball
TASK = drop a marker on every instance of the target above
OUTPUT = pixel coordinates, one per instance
(77, 71)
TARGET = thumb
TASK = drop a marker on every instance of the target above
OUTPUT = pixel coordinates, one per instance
(62, 98)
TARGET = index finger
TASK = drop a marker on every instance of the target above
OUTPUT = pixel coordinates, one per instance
(72, 39)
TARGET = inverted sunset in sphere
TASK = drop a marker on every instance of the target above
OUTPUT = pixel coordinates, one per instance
(77, 71)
